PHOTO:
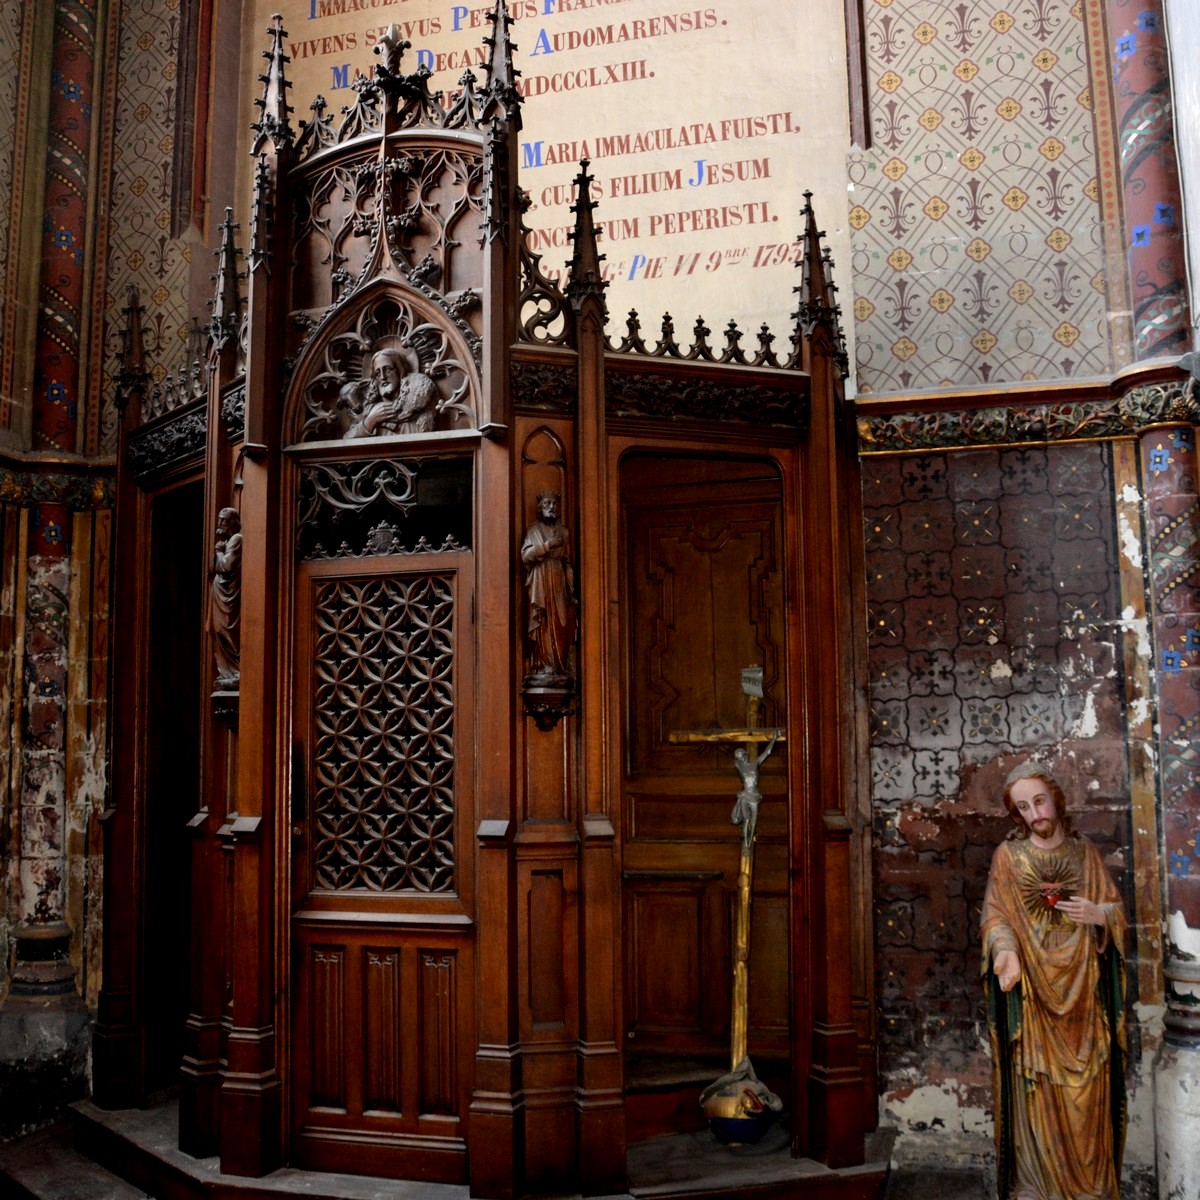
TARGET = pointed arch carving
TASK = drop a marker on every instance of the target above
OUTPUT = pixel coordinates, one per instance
(419, 207)
(388, 366)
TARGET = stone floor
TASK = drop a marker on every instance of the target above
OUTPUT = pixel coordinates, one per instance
(926, 1184)
(46, 1166)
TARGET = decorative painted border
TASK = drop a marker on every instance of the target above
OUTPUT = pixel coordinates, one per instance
(1121, 416)
(90, 492)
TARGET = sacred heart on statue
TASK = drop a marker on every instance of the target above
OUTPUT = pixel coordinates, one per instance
(1052, 893)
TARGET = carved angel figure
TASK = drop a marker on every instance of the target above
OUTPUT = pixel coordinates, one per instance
(394, 400)
(225, 599)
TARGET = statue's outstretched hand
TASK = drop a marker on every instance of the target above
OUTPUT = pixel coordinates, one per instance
(1007, 969)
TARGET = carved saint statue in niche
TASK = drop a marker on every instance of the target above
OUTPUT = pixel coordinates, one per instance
(225, 599)
(550, 587)
(398, 398)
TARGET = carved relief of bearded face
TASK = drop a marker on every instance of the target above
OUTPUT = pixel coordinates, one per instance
(387, 371)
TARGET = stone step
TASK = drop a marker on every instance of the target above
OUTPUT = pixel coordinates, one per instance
(46, 1166)
(78, 1163)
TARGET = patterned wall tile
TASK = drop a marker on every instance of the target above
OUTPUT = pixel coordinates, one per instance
(141, 250)
(982, 615)
(976, 228)
(1013, 654)
(11, 12)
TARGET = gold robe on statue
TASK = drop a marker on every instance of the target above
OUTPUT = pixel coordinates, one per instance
(1058, 1037)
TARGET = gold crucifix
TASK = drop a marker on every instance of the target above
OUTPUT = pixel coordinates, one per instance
(737, 1103)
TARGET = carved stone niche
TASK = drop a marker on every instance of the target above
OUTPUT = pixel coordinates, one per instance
(393, 370)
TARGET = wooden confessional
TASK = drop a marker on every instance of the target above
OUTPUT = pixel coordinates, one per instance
(399, 846)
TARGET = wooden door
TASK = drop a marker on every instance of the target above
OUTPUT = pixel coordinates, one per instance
(382, 934)
(704, 597)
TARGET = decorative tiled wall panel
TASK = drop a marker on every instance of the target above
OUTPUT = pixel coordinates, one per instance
(10, 74)
(975, 216)
(141, 249)
(994, 633)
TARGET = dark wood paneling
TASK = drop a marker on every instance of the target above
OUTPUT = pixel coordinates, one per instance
(382, 1087)
(438, 1033)
(383, 1058)
(327, 1029)
(547, 970)
(669, 932)
(384, 1012)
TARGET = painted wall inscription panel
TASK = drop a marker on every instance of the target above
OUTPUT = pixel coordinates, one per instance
(702, 125)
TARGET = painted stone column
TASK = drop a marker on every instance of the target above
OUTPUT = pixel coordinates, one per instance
(55, 430)
(1171, 471)
(1149, 178)
(1161, 326)
(43, 1026)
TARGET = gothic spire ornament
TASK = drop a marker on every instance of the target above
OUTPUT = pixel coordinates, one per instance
(584, 277)
(227, 302)
(500, 97)
(273, 125)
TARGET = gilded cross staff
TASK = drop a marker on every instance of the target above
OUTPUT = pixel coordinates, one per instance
(739, 1096)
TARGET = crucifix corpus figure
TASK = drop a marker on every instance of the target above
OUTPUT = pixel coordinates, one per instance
(1053, 967)
(745, 811)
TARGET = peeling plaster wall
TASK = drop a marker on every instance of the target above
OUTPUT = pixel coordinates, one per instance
(996, 626)
(50, 834)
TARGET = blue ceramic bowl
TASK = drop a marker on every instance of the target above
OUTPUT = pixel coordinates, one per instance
(746, 1130)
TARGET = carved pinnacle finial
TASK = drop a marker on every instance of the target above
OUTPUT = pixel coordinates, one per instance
(818, 295)
(390, 48)
(812, 266)
(262, 217)
(227, 302)
(274, 109)
(496, 201)
(501, 97)
(584, 278)
(132, 376)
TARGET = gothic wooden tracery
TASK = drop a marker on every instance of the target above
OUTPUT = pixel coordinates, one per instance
(383, 751)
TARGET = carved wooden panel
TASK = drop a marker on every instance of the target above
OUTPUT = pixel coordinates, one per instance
(439, 985)
(705, 572)
(673, 984)
(545, 914)
(380, 1079)
(383, 1058)
(383, 506)
(382, 758)
(327, 1048)
(769, 994)
(393, 367)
